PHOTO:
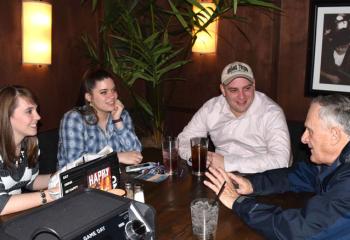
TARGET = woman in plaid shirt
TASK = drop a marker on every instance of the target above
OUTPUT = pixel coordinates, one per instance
(100, 122)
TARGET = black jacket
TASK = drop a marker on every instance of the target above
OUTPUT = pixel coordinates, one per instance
(325, 216)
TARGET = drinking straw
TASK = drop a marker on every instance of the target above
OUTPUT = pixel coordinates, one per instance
(219, 193)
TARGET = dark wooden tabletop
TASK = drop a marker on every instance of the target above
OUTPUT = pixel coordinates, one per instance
(171, 199)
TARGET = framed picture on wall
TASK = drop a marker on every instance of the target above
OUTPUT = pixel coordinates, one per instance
(328, 49)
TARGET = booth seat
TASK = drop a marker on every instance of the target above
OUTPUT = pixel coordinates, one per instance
(300, 151)
(48, 145)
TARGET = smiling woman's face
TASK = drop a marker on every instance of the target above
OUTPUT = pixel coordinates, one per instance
(103, 96)
(24, 119)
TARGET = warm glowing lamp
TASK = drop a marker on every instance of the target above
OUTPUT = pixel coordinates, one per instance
(206, 43)
(36, 32)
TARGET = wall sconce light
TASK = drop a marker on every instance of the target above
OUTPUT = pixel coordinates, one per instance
(206, 43)
(36, 32)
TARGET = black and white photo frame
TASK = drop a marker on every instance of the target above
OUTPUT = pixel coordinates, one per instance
(328, 49)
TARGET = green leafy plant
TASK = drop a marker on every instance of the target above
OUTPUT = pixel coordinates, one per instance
(134, 44)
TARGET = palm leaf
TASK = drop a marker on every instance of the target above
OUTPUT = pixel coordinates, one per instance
(144, 105)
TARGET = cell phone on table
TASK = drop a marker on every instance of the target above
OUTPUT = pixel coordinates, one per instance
(140, 167)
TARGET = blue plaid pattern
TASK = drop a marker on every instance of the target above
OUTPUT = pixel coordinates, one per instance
(76, 137)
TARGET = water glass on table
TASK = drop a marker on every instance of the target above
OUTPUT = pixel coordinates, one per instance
(199, 151)
(170, 146)
(204, 215)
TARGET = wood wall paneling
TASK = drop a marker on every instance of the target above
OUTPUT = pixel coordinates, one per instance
(56, 85)
(276, 51)
(255, 46)
(292, 59)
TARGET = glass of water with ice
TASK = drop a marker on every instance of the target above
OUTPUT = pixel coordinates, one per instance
(204, 214)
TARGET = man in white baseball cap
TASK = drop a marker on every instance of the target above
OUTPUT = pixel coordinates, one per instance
(248, 129)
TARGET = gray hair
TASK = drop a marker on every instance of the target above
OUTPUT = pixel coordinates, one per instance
(335, 110)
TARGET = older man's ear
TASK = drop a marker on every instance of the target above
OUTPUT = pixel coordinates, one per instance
(337, 136)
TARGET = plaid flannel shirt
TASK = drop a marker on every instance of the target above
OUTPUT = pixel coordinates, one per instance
(76, 137)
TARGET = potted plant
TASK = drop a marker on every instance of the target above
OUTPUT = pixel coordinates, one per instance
(135, 45)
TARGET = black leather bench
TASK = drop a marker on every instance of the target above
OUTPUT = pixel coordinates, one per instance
(48, 145)
(300, 151)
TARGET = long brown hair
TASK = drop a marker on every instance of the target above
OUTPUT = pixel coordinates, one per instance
(90, 79)
(8, 102)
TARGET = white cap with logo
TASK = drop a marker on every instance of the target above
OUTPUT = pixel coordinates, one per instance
(235, 70)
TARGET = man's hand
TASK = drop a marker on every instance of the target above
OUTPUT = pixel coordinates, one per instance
(215, 160)
(235, 185)
(217, 177)
(244, 186)
(132, 157)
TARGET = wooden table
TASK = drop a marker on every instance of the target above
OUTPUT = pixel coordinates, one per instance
(171, 199)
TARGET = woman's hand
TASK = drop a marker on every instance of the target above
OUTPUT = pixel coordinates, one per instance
(132, 157)
(118, 108)
(53, 194)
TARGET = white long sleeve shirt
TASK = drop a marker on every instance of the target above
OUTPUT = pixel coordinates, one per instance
(254, 142)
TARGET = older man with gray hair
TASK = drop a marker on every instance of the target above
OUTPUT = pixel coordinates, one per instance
(327, 214)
